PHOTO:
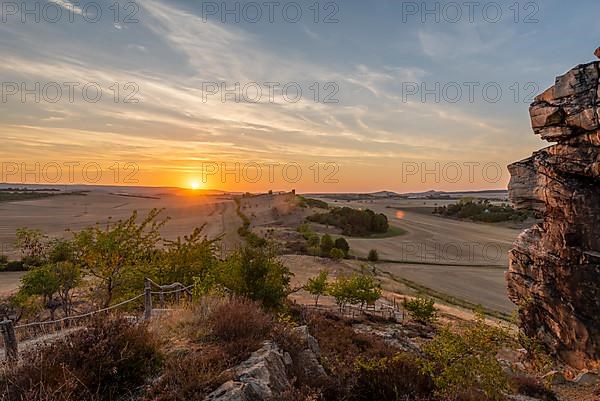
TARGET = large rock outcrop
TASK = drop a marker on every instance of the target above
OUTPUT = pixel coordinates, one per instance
(554, 272)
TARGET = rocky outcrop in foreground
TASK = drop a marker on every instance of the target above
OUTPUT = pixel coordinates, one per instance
(554, 272)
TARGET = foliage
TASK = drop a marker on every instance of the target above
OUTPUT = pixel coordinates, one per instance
(187, 258)
(482, 210)
(398, 377)
(120, 254)
(32, 244)
(257, 274)
(326, 244)
(108, 360)
(359, 288)
(531, 387)
(341, 243)
(336, 254)
(54, 283)
(373, 255)
(421, 309)
(317, 286)
(466, 361)
(309, 202)
(353, 222)
(238, 319)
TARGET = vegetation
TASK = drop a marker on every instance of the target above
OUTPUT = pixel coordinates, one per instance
(256, 273)
(482, 210)
(16, 194)
(353, 222)
(107, 361)
(421, 309)
(309, 202)
(466, 362)
(244, 231)
(324, 246)
(373, 255)
(318, 286)
(359, 288)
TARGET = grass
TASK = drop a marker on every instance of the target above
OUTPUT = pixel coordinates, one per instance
(393, 231)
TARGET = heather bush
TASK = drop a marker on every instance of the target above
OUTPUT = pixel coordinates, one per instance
(108, 360)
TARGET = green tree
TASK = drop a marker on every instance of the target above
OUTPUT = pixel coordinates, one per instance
(359, 288)
(41, 282)
(53, 283)
(120, 253)
(341, 243)
(326, 244)
(256, 273)
(373, 255)
(317, 286)
(421, 309)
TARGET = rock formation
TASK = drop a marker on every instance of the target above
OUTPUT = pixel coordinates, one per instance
(554, 272)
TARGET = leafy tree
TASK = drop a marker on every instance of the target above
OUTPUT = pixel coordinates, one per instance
(373, 255)
(359, 288)
(466, 361)
(42, 282)
(341, 243)
(120, 253)
(313, 240)
(257, 274)
(421, 309)
(326, 244)
(187, 258)
(33, 245)
(336, 254)
(53, 283)
(317, 286)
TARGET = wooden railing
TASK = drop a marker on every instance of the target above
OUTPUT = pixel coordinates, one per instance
(9, 329)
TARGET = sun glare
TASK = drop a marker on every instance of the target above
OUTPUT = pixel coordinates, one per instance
(195, 185)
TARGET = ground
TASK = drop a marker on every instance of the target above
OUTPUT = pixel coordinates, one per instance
(462, 259)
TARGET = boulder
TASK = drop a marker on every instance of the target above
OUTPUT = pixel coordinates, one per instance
(554, 267)
(260, 378)
(554, 378)
(306, 361)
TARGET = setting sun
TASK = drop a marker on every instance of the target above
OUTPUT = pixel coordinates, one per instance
(195, 185)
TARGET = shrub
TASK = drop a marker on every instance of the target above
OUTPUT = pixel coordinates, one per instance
(15, 266)
(531, 387)
(421, 309)
(390, 378)
(373, 255)
(106, 361)
(257, 274)
(341, 243)
(353, 222)
(360, 288)
(326, 244)
(239, 319)
(466, 361)
(336, 254)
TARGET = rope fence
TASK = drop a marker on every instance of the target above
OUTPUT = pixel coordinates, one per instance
(39, 330)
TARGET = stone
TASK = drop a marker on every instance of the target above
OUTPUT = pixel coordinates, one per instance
(307, 360)
(587, 379)
(554, 266)
(260, 378)
(597, 52)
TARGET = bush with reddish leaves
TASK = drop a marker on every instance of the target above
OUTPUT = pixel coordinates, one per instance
(108, 360)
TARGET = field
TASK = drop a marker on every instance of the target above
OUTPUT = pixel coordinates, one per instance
(54, 215)
(463, 260)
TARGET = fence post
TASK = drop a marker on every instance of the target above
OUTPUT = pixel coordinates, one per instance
(147, 299)
(162, 299)
(178, 293)
(10, 340)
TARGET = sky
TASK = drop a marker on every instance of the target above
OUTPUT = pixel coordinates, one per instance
(342, 96)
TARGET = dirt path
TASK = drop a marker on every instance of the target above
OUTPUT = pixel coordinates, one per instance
(9, 282)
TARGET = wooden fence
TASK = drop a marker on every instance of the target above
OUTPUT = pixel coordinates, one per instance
(41, 329)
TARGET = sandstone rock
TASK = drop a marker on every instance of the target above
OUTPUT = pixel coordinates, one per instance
(587, 379)
(554, 272)
(597, 52)
(259, 378)
(307, 360)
